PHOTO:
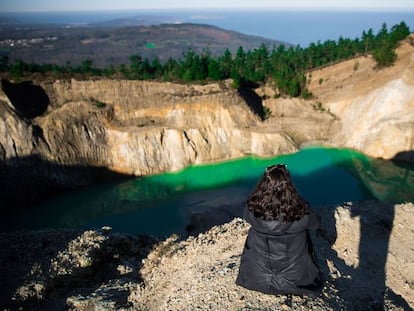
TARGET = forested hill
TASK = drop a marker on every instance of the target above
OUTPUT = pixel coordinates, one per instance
(287, 67)
(108, 46)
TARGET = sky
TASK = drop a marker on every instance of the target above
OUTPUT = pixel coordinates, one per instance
(86, 5)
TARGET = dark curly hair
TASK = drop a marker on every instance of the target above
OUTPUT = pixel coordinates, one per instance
(275, 197)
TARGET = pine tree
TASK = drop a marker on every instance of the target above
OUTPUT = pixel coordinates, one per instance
(385, 54)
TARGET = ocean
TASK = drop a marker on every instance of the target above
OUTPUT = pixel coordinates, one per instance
(294, 27)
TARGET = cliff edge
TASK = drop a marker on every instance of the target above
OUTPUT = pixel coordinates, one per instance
(364, 250)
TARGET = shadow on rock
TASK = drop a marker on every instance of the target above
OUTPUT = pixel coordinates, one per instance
(28, 100)
(254, 101)
(351, 246)
(27, 180)
(405, 156)
(53, 270)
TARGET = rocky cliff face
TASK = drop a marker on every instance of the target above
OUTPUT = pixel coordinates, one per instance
(375, 106)
(354, 105)
(93, 128)
(72, 132)
(147, 127)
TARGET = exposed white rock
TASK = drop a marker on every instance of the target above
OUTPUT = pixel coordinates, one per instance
(382, 121)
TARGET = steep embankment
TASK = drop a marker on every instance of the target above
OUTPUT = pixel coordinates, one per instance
(375, 106)
(372, 109)
(152, 127)
(94, 129)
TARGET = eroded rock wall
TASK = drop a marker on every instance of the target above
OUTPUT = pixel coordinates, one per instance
(135, 128)
(140, 128)
(375, 106)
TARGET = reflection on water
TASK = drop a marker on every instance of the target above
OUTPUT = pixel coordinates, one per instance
(198, 197)
(388, 181)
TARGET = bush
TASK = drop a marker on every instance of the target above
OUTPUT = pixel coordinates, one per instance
(306, 94)
(266, 113)
(356, 66)
(385, 55)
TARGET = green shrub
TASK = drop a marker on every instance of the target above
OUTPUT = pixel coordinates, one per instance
(385, 55)
(318, 106)
(99, 104)
(306, 94)
(356, 66)
(266, 112)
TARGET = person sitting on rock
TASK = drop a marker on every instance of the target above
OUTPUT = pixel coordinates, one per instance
(278, 257)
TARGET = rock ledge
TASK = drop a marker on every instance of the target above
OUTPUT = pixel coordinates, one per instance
(364, 250)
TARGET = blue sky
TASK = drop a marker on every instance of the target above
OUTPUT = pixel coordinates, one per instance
(81, 5)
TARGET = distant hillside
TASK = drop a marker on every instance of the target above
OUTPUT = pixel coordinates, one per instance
(114, 45)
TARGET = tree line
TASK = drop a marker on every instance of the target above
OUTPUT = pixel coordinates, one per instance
(287, 67)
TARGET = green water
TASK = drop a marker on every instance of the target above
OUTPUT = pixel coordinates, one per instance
(205, 195)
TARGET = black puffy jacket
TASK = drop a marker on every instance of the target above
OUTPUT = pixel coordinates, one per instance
(277, 257)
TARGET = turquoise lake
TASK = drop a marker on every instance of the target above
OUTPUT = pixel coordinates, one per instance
(201, 196)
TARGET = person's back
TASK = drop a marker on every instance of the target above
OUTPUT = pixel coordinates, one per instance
(277, 257)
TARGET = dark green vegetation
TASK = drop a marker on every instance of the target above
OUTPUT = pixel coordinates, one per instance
(286, 66)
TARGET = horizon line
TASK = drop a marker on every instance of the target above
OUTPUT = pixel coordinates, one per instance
(255, 9)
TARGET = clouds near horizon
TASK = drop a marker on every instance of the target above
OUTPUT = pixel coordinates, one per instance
(84, 5)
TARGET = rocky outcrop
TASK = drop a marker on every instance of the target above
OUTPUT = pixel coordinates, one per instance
(158, 127)
(356, 248)
(361, 248)
(375, 106)
(16, 135)
(48, 270)
(104, 127)
(388, 115)
(139, 118)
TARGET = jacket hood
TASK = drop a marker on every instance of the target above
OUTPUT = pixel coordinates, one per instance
(275, 227)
